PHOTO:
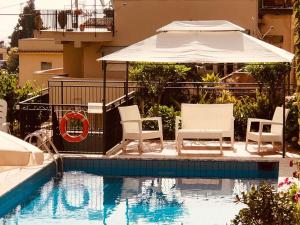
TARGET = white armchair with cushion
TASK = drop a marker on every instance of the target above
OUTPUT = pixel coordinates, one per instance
(4, 126)
(132, 126)
(275, 134)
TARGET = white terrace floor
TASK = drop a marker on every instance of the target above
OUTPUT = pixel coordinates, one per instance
(204, 149)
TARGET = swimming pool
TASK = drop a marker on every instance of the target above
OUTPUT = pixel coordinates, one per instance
(91, 195)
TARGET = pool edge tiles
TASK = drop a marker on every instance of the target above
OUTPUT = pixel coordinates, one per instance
(25, 187)
(193, 168)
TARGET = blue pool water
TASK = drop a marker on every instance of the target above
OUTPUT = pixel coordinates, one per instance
(89, 198)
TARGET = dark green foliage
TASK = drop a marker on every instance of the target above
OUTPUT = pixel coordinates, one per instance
(292, 125)
(153, 78)
(168, 115)
(12, 64)
(25, 25)
(266, 206)
(12, 93)
(270, 75)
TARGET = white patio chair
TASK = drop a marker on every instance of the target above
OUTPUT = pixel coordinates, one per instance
(132, 127)
(4, 126)
(275, 134)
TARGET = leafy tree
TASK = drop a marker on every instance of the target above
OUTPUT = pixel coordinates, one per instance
(270, 75)
(153, 78)
(12, 93)
(12, 64)
(25, 25)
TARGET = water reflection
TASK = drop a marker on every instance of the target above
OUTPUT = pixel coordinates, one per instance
(82, 198)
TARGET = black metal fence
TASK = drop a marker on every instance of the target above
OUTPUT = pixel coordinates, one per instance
(93, 20)
(105, 130)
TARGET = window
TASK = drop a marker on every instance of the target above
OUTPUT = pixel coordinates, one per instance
(46, 65)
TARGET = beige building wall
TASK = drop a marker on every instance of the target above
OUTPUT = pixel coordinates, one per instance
(3, 53)
(32, 52)
(282, 28)
(138, 19)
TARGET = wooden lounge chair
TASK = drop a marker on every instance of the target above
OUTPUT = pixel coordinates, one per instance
(205, 121)
(275, 134)
(132, 127)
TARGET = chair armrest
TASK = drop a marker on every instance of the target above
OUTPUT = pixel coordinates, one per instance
(5, 127)
(270, 123)
(257, 120)
(151, 118)
(130, 121)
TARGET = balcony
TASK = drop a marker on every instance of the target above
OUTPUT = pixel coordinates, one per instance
(75, 25)
(277, 7)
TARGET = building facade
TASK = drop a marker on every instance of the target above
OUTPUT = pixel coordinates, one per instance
(40, 59)
(86, 34)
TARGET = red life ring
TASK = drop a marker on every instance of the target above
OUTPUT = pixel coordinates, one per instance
(63, 127)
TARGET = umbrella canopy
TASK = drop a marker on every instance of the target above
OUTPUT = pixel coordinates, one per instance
(201, 42)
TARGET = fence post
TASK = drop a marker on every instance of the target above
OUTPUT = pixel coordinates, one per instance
(62, 92)
(104, 139)
(56, 20)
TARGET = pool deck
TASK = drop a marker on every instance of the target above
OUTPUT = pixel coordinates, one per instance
(11, 176)
(209, 150)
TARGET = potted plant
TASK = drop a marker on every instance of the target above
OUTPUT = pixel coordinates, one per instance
(78, 12)
(108, 12)
(81, 27)
(62, 19)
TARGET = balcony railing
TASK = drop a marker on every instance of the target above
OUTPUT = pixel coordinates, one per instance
(75, 20)
(277, 7)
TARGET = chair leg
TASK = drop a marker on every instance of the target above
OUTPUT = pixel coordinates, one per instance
(141, 147)
(162, 142)
(221, 145)
(178, 145)
(123, 146)
(259, 144)
(232, 143)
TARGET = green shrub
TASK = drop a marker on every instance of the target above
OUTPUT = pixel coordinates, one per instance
(168, 115)
(153, 78)
(13, 93)
(292, 125)
(211, 77)
(266, 206)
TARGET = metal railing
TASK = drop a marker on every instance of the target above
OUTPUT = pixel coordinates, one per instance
(105, 129)
(75, 20)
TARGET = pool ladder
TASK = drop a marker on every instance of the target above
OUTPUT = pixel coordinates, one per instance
(42, 139)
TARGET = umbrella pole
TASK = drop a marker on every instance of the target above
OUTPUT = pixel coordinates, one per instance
(283, 118)
(126, 83)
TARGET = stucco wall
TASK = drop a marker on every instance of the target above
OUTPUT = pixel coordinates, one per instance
(73, 60)
(282, 26)
(136, 19)
(139, 19)
(31, 62)
(32, 52)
